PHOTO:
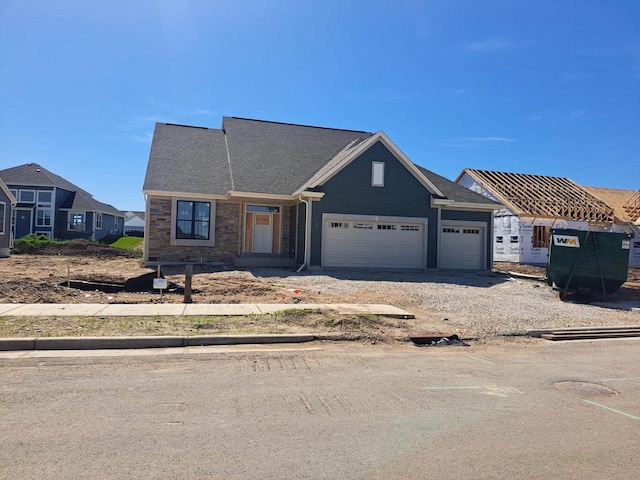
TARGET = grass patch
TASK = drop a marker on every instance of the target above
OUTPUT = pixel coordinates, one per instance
(128, 243)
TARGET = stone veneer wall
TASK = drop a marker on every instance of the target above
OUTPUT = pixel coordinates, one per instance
(227, 234)
(158, 237)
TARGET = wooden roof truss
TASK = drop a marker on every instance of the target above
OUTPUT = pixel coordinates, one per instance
(632, 207)
(541, 196)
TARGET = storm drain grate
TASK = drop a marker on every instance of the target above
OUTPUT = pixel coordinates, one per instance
(586, 389)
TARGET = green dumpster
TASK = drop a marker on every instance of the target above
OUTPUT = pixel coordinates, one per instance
(587, 262)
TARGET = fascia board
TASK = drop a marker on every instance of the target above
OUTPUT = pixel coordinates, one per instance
(386, 141)
(162, 193)
(5, 189)
(445, 202)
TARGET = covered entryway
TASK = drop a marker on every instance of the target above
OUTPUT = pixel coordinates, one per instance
(373, 243)
(262, 229)
(462, 247)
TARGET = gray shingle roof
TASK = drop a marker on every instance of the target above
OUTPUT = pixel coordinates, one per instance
(455, 192)
(36, 175)
(189, 160)
(278, 158)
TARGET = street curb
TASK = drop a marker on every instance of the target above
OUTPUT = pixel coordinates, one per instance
(99, 343)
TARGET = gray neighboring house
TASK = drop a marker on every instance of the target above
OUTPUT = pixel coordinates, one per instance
(47, 204)
(7, 201)
(260, 193)
(134, 223)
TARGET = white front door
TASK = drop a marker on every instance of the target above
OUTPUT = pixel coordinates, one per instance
(262, 233)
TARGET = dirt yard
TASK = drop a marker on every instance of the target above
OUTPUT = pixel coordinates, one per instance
(480, 304)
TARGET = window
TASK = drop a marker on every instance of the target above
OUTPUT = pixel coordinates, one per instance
(513, 239)
(27, 196)
(76, 221)
(339, 225)
(541, 236)
(472, 231)
(377, 174)
(262, 209)
(450, 230)
(44, 197)
(3, 211)
(43, 217)
(192, 220)
(499, 239)
(99, 222)
(386, 226)
(410, 228)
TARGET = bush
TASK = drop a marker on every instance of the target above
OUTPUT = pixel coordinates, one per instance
(32, 243)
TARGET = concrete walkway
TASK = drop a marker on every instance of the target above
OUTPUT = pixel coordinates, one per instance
(170, 309)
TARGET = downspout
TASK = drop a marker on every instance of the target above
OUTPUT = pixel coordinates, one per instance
(307, 233)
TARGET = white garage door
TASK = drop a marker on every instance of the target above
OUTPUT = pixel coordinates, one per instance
(372, 244)
(462, 247)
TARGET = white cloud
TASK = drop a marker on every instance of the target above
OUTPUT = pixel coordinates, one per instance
(491, 45)
(475, 141)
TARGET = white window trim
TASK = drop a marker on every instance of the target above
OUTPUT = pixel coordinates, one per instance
(23, 201)
(50, 216)
(373, 174)
(212, 223)
(98, 215)
(38, 201)
(3, 206)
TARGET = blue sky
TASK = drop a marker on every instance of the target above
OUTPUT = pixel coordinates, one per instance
(547, 87)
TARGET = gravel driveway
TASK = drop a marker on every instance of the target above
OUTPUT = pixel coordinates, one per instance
(473, 304)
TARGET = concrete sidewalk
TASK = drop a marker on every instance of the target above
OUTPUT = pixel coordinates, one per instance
(170, 309)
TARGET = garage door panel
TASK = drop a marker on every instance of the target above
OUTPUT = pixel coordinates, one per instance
(373, 244)
(462, 247)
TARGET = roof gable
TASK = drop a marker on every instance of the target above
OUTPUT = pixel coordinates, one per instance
(7, 192)
(542, 196)
(351, 152)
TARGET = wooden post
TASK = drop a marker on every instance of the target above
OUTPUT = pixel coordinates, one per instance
(68, 276)
(158, 270)
(188, 275)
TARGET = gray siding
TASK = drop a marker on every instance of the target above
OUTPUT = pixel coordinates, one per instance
(5, 228)
(350, 192)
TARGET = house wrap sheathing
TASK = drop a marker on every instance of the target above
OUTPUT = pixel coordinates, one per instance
(533, 204)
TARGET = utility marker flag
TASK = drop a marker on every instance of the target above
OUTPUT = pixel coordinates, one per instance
(566, 241)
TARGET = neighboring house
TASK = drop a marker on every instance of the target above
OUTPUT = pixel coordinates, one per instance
(533, 205)
(267, 193)
(134, 223)
(626, 209)
(7, 201)
(50, 205)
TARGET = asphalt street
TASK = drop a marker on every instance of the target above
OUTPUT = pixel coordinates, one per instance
(326, 411)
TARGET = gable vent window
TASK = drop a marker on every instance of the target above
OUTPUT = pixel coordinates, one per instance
(377, 174)
(384, 226)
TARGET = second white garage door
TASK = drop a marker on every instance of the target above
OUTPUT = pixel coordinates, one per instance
(369, 244)
(462, 247)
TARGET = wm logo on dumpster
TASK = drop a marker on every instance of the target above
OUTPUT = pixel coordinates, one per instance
(566, 241)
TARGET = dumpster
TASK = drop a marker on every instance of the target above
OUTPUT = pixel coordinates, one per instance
(587, 262)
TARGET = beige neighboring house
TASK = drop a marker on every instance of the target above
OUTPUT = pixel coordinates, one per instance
(533, 204)
(626, 207)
